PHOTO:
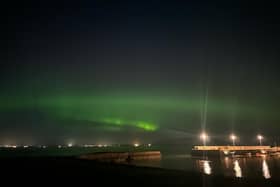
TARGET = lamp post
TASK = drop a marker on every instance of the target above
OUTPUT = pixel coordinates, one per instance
(204, 137)
(260, 138)
(233, 138)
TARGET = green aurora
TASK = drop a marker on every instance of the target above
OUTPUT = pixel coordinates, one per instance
(140, 112)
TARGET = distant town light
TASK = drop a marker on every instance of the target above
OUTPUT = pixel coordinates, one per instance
(10, 146)
(86, 145)
(136, 145)
(70, 145)
(149, 145)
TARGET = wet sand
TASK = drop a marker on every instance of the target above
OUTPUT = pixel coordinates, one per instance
(69, 170)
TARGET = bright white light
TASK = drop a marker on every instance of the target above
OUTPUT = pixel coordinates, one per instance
(203, 136)
(10, 146)
(260, 137)
(26, 146)
(149, 145)
(136, 145)
(99, 145)
(70, 145)
(59, 146)
(226, 152)
(265, 170)
(237, 169)
(232, 137)
(44, 147)
(206, 167)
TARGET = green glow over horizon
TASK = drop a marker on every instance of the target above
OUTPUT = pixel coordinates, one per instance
(121, 111)
(148, 126)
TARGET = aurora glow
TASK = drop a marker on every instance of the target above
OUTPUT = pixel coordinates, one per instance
(140, 124)
(144, 112)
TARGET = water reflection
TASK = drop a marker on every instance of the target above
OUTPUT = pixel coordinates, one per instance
(237, 169)
(226, 162)
(207, 168)
(240, 167)
(265, 169)
(204, 166)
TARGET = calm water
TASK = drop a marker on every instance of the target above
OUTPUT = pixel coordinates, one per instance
(255, 167)
(173, 158)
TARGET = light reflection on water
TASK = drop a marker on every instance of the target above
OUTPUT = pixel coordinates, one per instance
(265, 169)
(254, 167)
(237, 169)
(206, 167)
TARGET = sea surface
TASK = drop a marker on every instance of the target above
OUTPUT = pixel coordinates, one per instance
(266, 167)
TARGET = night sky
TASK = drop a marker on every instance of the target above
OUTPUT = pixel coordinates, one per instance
(126, 71)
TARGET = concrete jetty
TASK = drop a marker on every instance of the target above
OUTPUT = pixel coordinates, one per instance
(122, 156)
(234, 150)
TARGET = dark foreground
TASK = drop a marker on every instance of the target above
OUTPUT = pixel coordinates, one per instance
(54, 171)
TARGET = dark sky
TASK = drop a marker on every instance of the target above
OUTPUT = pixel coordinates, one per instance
(156, 71)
